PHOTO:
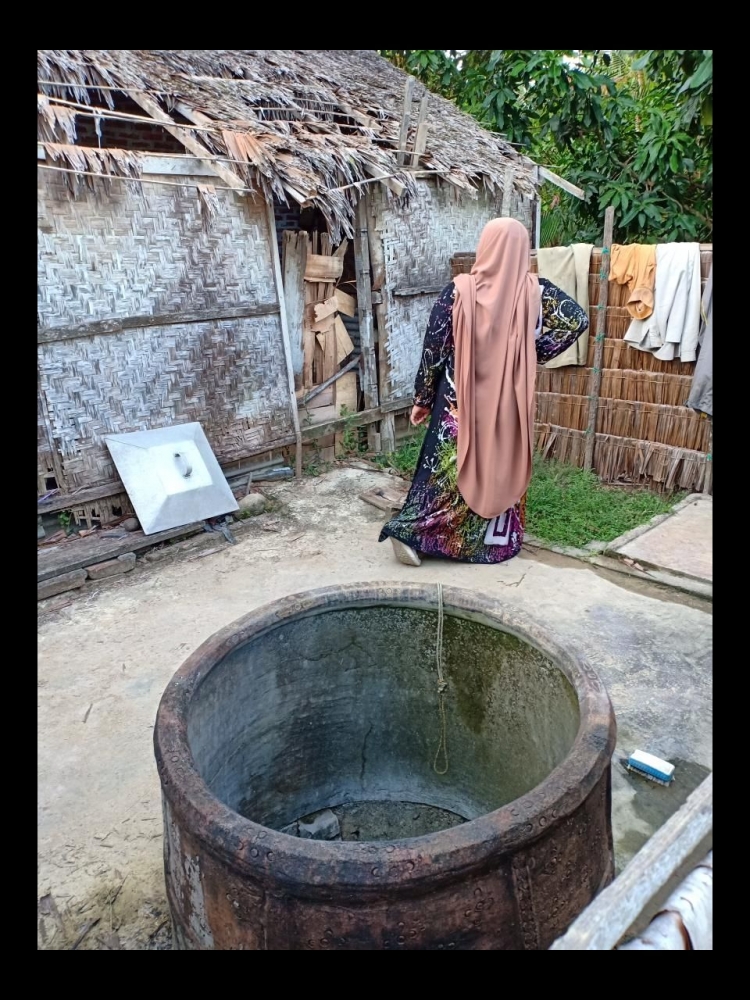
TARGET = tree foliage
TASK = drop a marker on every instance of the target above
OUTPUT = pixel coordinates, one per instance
(632, 128)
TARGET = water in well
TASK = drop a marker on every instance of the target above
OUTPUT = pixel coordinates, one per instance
(330, 726)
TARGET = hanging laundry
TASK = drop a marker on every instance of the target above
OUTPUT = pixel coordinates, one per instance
(634, 265)
(568, 268)
(671, 332)
(701, 396)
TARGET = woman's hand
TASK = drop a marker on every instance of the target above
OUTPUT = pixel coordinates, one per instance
(418, 415)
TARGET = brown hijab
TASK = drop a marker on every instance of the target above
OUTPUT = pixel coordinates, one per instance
(495, 313)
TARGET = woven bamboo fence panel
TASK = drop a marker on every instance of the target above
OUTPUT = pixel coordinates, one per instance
(627, 460)
(642, 400)
(149, 251)
(418, 243)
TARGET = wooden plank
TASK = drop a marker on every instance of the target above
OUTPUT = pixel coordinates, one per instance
(601, 320)
(420, 141)
(685, 920)
(403, 135)
(387, 498)
(603, 923)
(345, 303)
(322, 310)
(344, 345)
(323, 325)
(327, 343)
(346, 403)
(364, 418)
(295, 258)
(548, 175)
(364, 309)
(98, 328)
(341, 249)
(285, 339)
(83, 552)
(320, 268)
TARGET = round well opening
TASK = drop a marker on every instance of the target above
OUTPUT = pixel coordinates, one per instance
(329, 725)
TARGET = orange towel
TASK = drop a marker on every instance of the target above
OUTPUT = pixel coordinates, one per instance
(635, 265)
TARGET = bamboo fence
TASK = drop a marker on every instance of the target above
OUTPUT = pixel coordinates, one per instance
(645, 434)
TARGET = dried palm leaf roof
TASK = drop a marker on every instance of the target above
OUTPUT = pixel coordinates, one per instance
(292, 122)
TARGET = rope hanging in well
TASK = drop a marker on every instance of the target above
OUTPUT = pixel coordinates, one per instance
(442, 749)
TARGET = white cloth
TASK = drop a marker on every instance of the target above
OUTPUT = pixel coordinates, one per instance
(568, 268)
(671, 331)
(498, 530)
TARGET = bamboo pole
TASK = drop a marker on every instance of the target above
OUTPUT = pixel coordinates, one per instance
(278, 282)
(601, 324)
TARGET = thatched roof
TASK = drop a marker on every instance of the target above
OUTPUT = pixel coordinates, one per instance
(295, 123)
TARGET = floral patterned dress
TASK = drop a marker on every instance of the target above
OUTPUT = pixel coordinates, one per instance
(435, 519)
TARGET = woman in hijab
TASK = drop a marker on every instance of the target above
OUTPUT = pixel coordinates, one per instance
(487, 333)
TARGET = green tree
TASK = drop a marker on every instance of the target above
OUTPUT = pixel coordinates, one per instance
(632, 128)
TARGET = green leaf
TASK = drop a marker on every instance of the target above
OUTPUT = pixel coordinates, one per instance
(701, 76)
(674, 162)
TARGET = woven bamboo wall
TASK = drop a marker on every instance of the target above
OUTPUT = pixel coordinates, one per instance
(418, 244)
(151, 252)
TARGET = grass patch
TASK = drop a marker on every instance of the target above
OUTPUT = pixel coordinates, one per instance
(404, 458)
(569, 506)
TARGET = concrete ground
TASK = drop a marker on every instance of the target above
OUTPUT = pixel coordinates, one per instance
(106, 657)
(682, 544)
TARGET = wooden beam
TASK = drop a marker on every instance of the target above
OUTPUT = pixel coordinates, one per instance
(603, 923)
(547, 175)
(354, 363)
(403, 135)
(601, 322)
(364, 309)
(390, 182)
(98, 328)
(183, 136)
(362, 419)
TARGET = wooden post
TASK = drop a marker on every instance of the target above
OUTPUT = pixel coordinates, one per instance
(601, 333)
(602, 924)
(420, 139)
(402, 156)
(377, 264)
(537, 208)
(276, 262)
(364, 311)
(507, 191)
(708, 480)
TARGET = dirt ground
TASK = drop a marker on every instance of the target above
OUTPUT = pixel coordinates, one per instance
(106, 656)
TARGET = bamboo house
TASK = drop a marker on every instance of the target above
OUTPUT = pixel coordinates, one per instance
(248, 239)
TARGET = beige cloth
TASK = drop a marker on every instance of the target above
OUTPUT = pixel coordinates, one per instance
(634, 265)
(495, 313)
(568, 268)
